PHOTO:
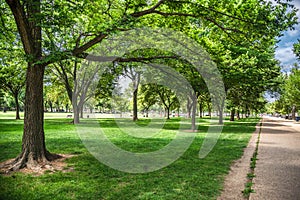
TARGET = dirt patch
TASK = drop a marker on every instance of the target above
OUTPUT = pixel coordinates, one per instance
(235, 181)
(49, 167)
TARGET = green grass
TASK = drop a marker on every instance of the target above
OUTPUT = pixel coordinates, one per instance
(187, 178)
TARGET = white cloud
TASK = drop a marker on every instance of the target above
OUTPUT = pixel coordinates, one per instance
(288, 44)
(285, 55)
(295, 32)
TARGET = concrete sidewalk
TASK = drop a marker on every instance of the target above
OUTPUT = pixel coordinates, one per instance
(278, 166)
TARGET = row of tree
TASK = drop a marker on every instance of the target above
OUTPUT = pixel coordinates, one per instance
(54, 36)
(287, 101)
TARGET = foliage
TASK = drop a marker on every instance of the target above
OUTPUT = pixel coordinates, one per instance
(289, 101)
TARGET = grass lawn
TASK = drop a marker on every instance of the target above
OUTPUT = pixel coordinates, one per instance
(187, 178)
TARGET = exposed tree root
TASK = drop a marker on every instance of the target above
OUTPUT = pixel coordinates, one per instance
(27, 164)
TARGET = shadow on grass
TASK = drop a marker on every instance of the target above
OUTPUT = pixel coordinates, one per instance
(187, 178)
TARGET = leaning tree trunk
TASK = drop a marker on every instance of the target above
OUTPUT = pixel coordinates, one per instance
(17, 106)
(33, 142)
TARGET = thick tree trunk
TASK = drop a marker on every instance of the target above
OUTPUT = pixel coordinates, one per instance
(76, 115)
(17, 106)
(135, 109)
(76, 111)
(33, 142)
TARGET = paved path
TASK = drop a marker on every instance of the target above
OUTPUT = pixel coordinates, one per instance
(278, 168)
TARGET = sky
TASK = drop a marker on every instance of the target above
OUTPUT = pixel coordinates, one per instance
(284, 52)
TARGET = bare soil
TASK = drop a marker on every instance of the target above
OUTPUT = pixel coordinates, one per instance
(235, 181)
(49, 167)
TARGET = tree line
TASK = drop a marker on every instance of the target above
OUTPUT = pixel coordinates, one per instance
(49, 40)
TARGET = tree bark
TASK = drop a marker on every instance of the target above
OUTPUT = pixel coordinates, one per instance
(135, 109)
(232, 112)
(238, 114)
(51, 106)
(33, 142)
(17, 105)
(189, 107)
(168, 112)
(294, 112)
(194, 107)
(220, 116)
(81, 111)
(76, 115)
(200, 109)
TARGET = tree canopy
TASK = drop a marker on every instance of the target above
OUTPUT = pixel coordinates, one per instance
(235, 33)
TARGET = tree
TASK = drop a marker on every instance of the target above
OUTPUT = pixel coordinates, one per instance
(134, 74)
(167, 98)
(292, 91)
(12, 80)
(65, 19)
(296, 49)
(147, 98)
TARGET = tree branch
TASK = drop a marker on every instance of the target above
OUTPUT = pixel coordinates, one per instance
(22, 25)
(123, 60)
(148, 11)
(77, 51)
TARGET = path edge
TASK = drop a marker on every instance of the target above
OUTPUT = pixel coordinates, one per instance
(235, 180)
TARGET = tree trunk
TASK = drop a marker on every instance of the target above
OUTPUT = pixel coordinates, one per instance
(201, 110)
(168, 112)
(194, 107)
(33, 142)
(238, 114)
(220, 108)
(76, 109)
(81, 111)
(17, 106)
(135, 109)
(294, 112)
(189, 107)
(220, 116)
(76, 115)
(51, 107)
(209, 111)
(232, 112)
